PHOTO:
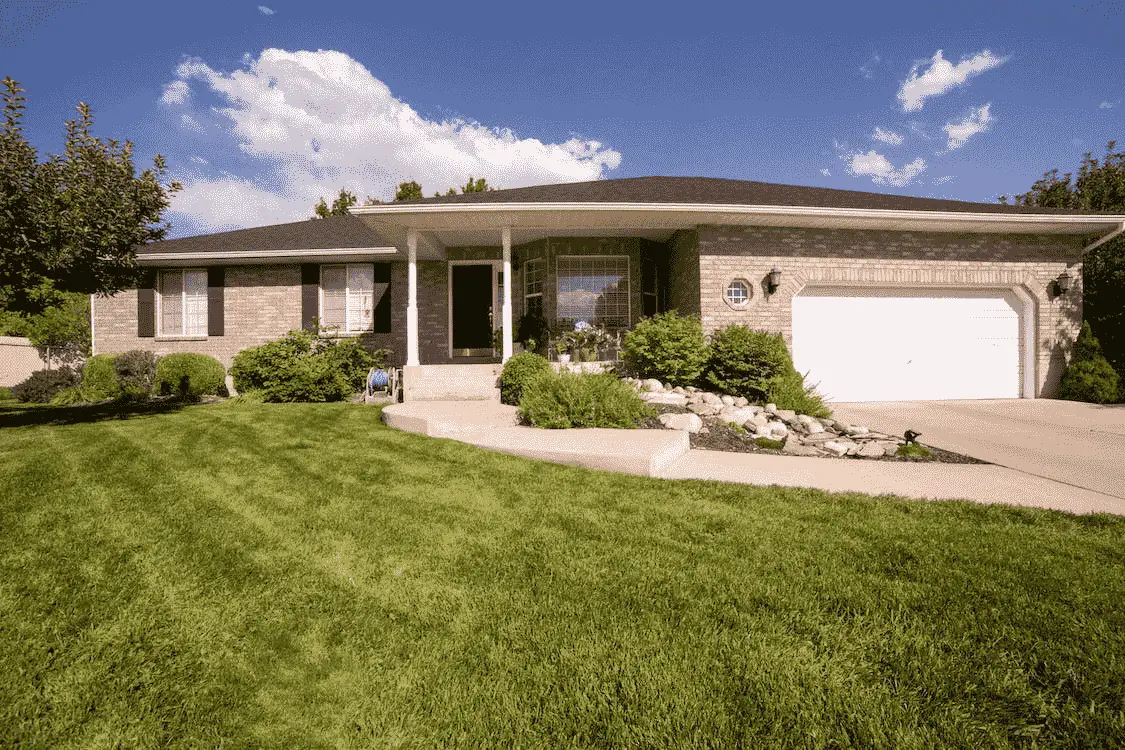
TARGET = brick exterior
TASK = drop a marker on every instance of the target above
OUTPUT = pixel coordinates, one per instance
(896, 259)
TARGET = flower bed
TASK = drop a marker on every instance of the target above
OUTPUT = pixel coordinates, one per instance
(720, 422)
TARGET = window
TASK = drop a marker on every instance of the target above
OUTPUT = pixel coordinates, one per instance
(533, 272)
(737, 293)
(347, 297)
(182, 303)
(594, 288)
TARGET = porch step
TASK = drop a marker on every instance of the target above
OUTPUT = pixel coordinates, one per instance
(451, 382)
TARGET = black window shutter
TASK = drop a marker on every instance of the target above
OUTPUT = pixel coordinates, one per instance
(216, 276)
(146, 306)
(382, 298)
(310, 295)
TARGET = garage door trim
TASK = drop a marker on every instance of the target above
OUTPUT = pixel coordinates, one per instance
(1027, 313)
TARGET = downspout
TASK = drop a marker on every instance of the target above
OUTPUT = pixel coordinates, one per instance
(1107, 238)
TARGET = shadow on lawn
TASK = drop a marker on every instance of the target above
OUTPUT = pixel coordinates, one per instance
(25, 415)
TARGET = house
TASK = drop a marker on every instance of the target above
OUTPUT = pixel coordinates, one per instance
(880, 297)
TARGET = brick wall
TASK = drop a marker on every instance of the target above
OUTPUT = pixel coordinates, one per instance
(912, 259)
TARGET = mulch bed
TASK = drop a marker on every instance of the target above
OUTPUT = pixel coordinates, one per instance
(722, 437)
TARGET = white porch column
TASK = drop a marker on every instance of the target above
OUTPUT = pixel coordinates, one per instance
(412, 298)
(506, 306)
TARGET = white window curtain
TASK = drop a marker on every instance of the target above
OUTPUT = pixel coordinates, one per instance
(183, 303)
(347, 297)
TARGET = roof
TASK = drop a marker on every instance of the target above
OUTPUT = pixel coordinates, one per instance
(331, 233)
(717, 191)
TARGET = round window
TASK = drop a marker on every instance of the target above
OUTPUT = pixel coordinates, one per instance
(737, 293)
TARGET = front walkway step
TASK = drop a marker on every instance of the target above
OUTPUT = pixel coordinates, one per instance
(451, 382)
(493, 426)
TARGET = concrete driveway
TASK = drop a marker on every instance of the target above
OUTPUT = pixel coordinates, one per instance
(1082, 445)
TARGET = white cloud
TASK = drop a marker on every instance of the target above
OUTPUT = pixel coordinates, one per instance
(265, 11)
(868, 68)
(199, 160)
(975, 122)
(881, 171)
(1105, 105)
(318, 121)
(887, 136)
(175, 93)
(943, 179)
(942, 76)
(187, 122)
(826, 173)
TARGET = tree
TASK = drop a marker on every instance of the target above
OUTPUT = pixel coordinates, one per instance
(72, 223)
(408, 191)
(340, 205)
(480, 186)
(1099, 186)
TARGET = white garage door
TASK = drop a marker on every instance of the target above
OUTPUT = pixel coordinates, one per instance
(903, 344)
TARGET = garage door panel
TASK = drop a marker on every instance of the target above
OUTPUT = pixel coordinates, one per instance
(886, 345)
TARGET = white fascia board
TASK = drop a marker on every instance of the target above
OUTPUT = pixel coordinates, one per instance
(737, 210)
(277, 255)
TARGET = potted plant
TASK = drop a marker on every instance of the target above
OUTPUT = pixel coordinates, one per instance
(588, 339)
(562, 346)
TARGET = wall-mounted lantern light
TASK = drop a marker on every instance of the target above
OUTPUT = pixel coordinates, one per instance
(1061, 285)
(773, 279)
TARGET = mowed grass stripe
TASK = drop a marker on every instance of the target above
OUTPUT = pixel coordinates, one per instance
(299, 575)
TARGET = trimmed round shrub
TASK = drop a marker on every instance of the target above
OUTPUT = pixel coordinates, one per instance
(582, 400)
(301, 366)
(668, 347)
(136, 371)
(42, 385)
(188, 375)
(746, 363)
(1090, 377)
(99, 378)
(518, 371)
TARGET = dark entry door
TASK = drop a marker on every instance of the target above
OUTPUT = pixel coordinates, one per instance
(472, 310)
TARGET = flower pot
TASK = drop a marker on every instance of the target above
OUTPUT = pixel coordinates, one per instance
(564, 359)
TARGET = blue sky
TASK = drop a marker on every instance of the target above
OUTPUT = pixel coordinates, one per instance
(261, 108)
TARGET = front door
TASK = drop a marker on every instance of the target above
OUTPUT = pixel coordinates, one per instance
(472, 310)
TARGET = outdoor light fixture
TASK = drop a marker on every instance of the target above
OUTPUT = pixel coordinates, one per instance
(1061, 284)
(773, 279)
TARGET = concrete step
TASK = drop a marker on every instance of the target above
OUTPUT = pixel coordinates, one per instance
(448, 418)
(476, 382)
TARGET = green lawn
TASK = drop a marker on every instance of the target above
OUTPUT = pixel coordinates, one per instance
(301, 576)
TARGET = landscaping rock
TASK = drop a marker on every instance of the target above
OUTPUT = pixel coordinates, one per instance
(787, 415)
(727, 400)
(739, 416)
(704, 410)
(796, 448)
(819, 437)
(741, 401)
(760, 420)
(814, 427)
(685, 422)
(771, 408)
(835, 448)
(856, 429)
(870, 450)
(679, 389)
(692, 389)
(672, 399)
(653, 385)
(778, 430)
(889, 449)
(711, 398)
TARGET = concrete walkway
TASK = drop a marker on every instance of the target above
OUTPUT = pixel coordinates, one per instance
(667, 454)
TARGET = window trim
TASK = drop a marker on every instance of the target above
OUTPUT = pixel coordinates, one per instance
(749, 293)
(346, 330)
(527, 295)
(182, 334)
(628, 279)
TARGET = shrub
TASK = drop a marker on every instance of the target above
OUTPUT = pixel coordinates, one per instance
(1090, 377)
(518, 371)
(188, 375)
(582, 400)
(6, 395)
(136, 371)
(749, 363)
(301, 366)
(71, 396)
(668, 347)
(769, 443)
(789, 391)
(99, 378)
(913, 450)
(42, 385)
